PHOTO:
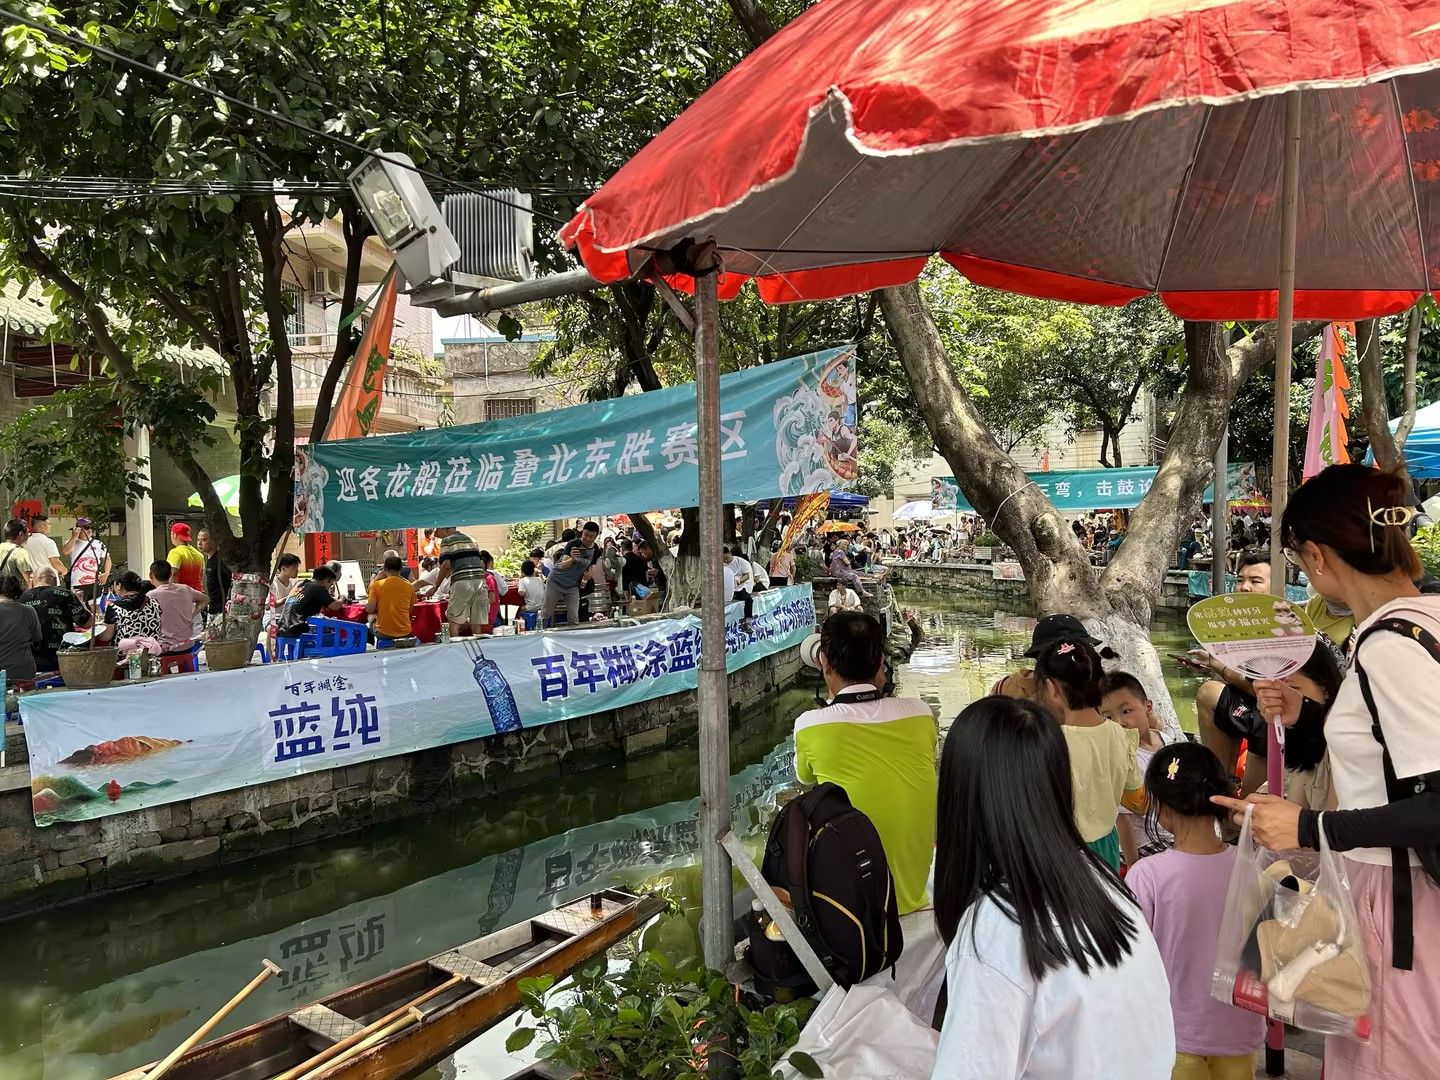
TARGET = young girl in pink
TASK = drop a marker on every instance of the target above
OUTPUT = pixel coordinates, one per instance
(1182, 895)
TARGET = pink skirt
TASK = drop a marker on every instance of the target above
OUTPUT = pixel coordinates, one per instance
(1404, 1005)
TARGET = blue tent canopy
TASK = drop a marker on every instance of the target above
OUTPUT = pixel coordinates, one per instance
(1422, 448)
(839, 500)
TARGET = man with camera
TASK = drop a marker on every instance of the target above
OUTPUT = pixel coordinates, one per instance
(881, 750)
(573, 559)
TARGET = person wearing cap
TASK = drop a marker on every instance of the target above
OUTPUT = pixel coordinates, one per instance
(89, 561)
(189, 564)
(1049, 630)
(40, 547)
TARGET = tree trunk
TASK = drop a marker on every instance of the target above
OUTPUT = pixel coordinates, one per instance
(766, 536)
(1389, 451)
(1120, 605)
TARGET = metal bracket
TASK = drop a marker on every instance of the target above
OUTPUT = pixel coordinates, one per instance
(777, 911)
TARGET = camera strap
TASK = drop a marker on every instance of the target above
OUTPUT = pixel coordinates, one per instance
(856, 697)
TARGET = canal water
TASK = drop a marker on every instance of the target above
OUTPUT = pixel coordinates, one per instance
(88, 991)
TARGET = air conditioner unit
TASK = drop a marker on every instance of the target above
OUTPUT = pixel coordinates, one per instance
(329, 282)
(495, 234)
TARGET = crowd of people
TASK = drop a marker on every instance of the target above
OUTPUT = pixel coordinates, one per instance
(1081, 862)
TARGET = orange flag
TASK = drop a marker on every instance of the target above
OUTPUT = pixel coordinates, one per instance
(807, 508)
(359, 401)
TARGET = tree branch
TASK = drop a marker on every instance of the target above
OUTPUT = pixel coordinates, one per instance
(356, 231)
(753, 20)
(183, 314)
(1373, 407)
(1056, 567)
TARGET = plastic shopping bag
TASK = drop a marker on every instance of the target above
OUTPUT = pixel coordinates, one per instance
(1290, 944)
(865, 1033)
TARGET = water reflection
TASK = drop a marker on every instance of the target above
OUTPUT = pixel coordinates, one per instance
(90, 991)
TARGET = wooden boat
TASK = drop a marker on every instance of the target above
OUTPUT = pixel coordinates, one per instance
(399, 1024)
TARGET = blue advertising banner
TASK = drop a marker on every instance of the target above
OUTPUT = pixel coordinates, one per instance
(786, 428)
(100, 752)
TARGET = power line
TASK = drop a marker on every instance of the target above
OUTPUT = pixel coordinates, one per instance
(75, 188)
(230, 99)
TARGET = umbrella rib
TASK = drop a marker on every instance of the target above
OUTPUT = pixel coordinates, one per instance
(1180, 198)
(1414, 191)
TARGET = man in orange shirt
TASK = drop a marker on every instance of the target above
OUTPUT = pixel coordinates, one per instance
(390, 600)
(189, 564)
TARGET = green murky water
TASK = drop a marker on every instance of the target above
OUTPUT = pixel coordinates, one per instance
(89, 991)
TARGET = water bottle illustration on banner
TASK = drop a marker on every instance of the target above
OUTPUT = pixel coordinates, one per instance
(499, 698)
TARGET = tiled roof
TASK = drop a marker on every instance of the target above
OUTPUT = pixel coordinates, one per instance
(31, 316)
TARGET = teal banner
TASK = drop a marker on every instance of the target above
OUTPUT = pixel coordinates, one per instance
(786, 428)
(1073, 492)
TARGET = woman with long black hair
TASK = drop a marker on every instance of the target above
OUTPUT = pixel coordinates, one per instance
(1051, 971)
(1345, 529)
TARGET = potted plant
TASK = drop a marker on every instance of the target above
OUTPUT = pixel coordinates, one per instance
(660, 1021)
(985, 544)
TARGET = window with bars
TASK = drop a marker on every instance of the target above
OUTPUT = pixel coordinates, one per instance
(294, 297)
(500, 408)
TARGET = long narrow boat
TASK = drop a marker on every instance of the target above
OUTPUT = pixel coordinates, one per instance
(399, 1024)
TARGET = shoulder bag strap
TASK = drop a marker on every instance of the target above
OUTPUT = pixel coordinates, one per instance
(70, 573)
(797, 865)
(1402, 899)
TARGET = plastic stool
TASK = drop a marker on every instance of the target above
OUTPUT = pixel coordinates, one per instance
(335, 637)
(264, 652)
(293, 648)
(181, 663)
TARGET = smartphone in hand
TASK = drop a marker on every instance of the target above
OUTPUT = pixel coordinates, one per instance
(1190, 662)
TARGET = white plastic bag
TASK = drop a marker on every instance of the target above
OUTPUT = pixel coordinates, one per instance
(1290, 945)
(865, 1033)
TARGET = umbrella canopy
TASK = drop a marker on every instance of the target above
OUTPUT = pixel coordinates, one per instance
(921, 510)
(838, 526)
(1091, 151)
(228, 489)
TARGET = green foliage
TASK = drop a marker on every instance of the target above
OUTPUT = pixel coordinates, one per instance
(657, 1021)
(804, 567)
(70, 451)
(888, 444)
(525, 537)
(1031, 365)
(1427, 546)
(986, 538)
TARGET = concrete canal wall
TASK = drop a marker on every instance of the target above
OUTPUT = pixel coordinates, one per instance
(70, 861)
(979, 581)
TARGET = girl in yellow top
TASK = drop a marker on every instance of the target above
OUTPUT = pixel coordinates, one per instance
(1103, 768)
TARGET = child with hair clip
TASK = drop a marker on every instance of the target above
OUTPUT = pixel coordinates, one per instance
(1182, 895)
(1069, 682)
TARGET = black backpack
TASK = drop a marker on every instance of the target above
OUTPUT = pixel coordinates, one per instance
(828, 856)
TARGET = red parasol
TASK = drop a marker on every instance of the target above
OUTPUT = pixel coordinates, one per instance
(1093, 151)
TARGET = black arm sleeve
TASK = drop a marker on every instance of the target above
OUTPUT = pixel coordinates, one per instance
(1413, 822)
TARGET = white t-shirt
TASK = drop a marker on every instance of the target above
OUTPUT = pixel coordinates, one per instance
(41, 550)
(1406, 683)
(532, 591)
(1001, 1023)
(729, 587)
(740, 569)
(759, 574)
(844, 599)
(89, 556)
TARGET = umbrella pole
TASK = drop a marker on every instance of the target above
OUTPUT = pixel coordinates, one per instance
(1280, 458)
(717, 894)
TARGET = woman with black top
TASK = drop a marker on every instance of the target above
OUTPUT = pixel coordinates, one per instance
(1345, 529)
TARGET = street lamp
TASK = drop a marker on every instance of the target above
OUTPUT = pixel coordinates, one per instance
(405, 217)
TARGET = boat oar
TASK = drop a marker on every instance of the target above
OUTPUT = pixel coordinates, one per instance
(270, 968)
(412, 1016)
(364, 1033)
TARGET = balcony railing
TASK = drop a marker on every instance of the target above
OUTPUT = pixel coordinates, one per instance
(405, 395)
